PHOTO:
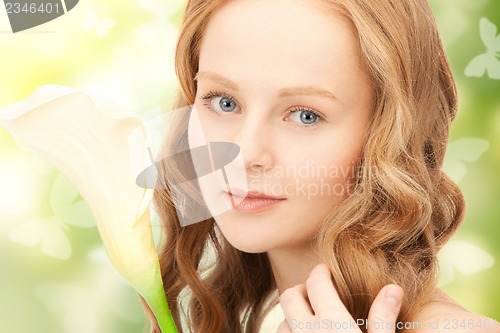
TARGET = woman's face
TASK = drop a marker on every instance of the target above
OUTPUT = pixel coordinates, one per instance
(283, 80)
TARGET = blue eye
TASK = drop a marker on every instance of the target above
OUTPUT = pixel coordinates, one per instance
(305, 117)
(308, 117)
(226, 104)
(219, 102)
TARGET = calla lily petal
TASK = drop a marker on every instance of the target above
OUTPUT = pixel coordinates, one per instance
(102, 156)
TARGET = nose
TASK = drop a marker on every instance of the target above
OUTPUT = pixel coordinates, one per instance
(255, 138)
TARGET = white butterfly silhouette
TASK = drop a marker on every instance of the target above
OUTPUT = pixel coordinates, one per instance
(98, 300)
(464, 257)
(101, 26)
(460, 151)
(488, 62)
(68, 209)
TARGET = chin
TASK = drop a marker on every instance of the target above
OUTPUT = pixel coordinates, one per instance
(249, 246)
(249, 241)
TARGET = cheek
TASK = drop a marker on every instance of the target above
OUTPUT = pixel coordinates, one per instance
(215, 128)
(326, 176)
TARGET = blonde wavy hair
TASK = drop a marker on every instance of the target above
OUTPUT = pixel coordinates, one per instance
(389, 230)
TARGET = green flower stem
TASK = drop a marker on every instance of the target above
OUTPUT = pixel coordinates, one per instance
(157, 301)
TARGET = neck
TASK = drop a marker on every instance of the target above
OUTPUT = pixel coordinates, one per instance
(292, 266)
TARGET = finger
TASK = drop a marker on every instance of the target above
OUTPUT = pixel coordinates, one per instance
(284, 327)
(324, 298)
(295, 304)
(385, 309)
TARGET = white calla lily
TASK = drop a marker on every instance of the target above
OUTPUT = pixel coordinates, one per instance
(102, 156)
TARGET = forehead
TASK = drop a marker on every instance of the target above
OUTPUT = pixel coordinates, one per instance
(296, 40)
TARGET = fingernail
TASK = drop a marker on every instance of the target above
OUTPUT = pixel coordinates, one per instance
(393, 295)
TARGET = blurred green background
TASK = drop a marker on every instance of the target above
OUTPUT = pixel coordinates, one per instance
(55, 276)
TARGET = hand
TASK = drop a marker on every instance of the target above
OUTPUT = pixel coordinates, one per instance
(316, 307)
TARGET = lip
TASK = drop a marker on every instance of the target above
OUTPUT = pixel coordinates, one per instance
(252, 194)
(252, 201)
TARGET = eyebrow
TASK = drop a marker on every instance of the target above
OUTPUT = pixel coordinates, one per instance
(284, 92)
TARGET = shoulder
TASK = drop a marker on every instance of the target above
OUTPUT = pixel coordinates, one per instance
(444, 315)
